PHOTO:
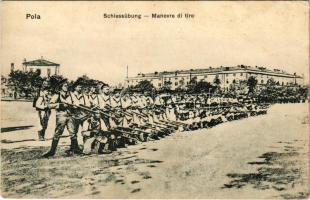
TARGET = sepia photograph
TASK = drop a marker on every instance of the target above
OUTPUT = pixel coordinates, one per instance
(154, 99)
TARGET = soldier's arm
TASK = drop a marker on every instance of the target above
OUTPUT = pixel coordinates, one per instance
(85, 126)
(40, 104)
(53, 102)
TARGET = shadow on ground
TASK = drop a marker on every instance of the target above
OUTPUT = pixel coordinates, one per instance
(15, 128)
(280, 171)
(25, 174)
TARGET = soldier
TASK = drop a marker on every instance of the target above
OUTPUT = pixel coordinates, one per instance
(80, 99)
(92, 97)
(95, 135)
(43, 111)
(63, 103)
(105, 104)
(126, 108)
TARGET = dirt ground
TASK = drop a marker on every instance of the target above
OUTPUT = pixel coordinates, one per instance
(259, 157)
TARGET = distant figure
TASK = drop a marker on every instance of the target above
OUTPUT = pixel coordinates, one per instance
(44, 111)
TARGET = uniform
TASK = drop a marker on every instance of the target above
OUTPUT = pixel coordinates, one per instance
(44, 113)
(95, 136)
(66, 117)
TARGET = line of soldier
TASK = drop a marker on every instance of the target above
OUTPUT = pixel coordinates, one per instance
(109, 121)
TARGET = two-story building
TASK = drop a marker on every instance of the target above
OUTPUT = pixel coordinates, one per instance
(226, 75)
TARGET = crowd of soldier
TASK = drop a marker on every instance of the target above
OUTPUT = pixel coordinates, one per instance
(109, 121)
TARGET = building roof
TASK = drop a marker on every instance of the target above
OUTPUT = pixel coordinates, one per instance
(40, 62)
(218, 69)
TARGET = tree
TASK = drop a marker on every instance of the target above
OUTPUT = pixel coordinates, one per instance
(166, 87)
(144, 86)
(270, 82)
(217, 80)
(25, 83)
(252, 82)
(193, 81)
(201, 87)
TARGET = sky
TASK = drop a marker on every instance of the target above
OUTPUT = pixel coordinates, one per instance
(75, 35)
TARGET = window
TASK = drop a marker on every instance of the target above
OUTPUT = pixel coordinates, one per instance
(176, 83)
(241, 74)
(262, 81)
(234, 74)
(48, 72)
(159, 84)
(206, 76)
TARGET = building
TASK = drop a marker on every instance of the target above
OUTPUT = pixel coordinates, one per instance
(44, 67)
(226, 75)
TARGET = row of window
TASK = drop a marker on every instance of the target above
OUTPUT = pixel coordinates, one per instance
(205, 76)
(39, 71)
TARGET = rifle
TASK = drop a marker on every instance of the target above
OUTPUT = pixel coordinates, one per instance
(139, 130)
(160, 125)
(126, 134)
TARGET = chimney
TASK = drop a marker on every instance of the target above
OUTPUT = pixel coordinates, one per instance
(12, 67)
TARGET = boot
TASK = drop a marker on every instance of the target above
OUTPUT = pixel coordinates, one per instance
(41, 135)
(52, 151)
(75, 147)
(104, 149)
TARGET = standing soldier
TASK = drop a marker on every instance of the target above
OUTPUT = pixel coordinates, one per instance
(43, 111)
(92, 97)
(105, 104)
(65, 118)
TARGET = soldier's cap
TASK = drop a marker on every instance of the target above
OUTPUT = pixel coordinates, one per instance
(62, 82)
(77, 83)
(103, 85)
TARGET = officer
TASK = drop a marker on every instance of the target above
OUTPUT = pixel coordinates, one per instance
(43, 111)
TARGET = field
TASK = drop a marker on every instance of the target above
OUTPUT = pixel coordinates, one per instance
(259, 157)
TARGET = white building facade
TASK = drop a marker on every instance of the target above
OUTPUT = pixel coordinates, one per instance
(44, 67)
(226, 75)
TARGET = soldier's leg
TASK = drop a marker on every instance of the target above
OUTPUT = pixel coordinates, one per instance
(61, 122)
(73, 127)
(88, 144)
(46, 117)
(41, 118)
